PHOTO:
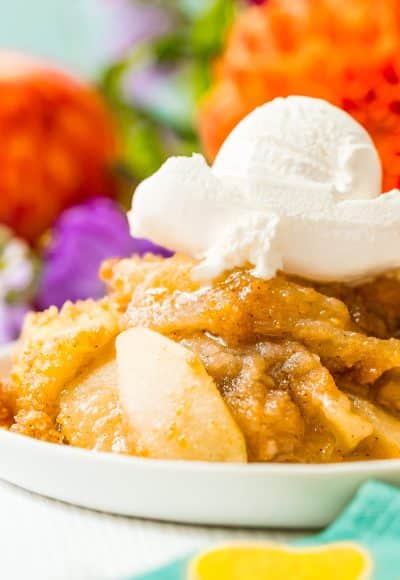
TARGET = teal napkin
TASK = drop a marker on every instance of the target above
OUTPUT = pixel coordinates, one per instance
(372, 519)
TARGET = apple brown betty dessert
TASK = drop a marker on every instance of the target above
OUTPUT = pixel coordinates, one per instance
(243, 370)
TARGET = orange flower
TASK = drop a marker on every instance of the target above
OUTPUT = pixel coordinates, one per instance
(345, 52)
(57, 144)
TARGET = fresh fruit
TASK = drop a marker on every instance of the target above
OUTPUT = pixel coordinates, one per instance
(173, 407)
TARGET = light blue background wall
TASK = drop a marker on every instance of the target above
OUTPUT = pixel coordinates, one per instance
(67, 31)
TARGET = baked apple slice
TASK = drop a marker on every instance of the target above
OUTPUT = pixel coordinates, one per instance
(173, 407)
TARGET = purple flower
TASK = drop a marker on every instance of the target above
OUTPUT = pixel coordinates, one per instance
(160, 91)
(11, 319)
(17, 274)
(148, 86)
(16, 267)
(130, 22)
(82, 238)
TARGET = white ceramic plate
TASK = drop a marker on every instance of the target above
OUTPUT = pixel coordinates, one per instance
(261, 495)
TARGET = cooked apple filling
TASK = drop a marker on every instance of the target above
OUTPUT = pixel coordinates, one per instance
(245, 369)
(6, 405)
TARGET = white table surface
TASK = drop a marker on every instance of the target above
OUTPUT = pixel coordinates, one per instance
(43, 539)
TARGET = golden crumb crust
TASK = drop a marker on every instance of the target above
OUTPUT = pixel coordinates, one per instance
(54, 346)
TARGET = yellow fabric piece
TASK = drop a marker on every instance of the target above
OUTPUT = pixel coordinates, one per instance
(346, 561)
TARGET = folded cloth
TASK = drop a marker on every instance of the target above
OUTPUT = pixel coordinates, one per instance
(371, 521)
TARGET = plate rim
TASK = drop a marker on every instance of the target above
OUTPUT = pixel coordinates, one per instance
(284, 469)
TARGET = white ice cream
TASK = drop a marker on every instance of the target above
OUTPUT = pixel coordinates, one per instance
(295, 187)
(298, 141)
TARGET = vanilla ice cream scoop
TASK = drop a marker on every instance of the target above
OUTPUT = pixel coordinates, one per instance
(297, 140)
(295, 187)
(188, 209)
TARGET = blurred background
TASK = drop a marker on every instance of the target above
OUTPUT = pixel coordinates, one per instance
(96, 94)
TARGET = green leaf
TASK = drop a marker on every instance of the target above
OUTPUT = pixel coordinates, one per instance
(209, 29)
(166, 125)
(143, 152)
